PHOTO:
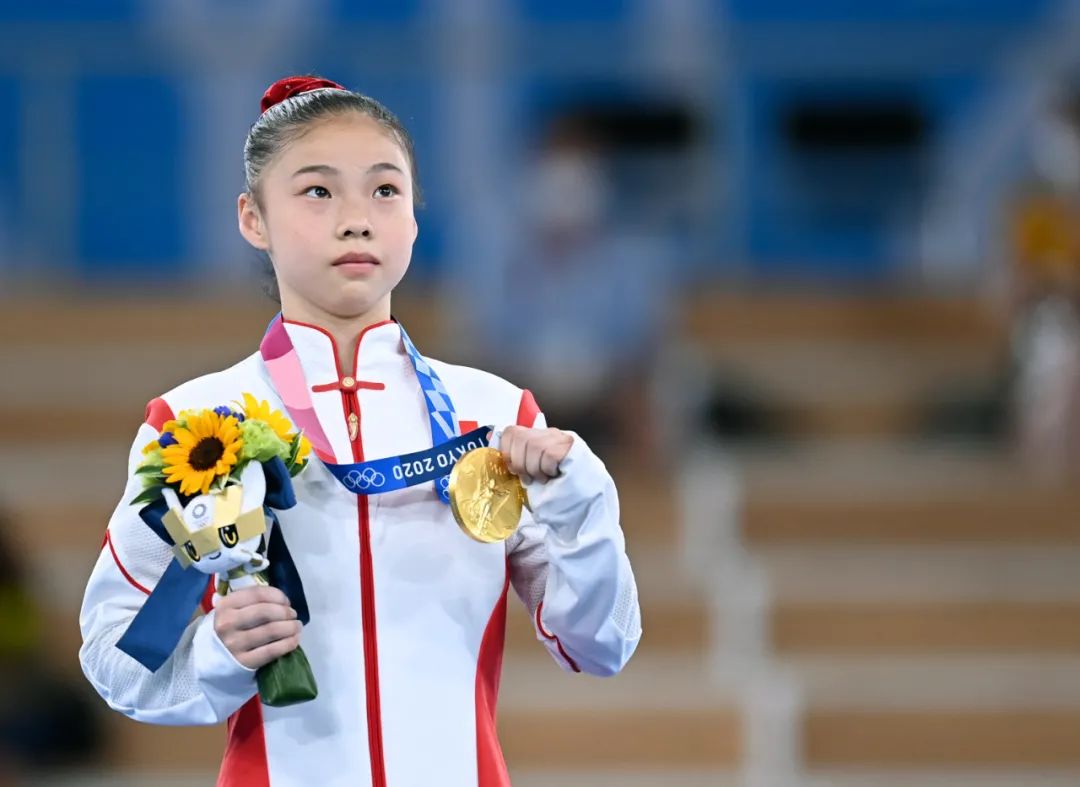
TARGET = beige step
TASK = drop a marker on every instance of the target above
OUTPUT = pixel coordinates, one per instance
(928, 739)
(662, 711)
(237, 315)
(948, 776)
(674, 776)
(678, 622)
(716, 316)
(1013, 515)
(928, 627)
(632, 740)
(672, 681)
(543, 776)
(870, 469)
(982, 682)
(75, 513)
(673, 627)
(708, 315)
(595, 739)
(657, 714)
(675, 615)
(976, 571)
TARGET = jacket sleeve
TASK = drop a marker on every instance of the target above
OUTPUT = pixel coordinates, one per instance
(201, 683)
(569, 566)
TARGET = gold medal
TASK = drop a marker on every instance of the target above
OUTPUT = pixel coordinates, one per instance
(485, 497)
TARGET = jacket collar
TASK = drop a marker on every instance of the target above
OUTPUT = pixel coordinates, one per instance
(318, 352)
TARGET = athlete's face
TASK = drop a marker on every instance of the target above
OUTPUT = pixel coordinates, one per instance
(335, 214)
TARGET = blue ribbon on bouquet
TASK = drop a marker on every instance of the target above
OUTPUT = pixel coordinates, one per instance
(154, 633)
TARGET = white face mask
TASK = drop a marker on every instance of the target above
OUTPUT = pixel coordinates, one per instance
(1056, 153)
(566, 192)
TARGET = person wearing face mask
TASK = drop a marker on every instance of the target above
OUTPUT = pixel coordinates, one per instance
(590, 323)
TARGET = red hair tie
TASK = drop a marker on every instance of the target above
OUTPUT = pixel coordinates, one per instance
(293, 86)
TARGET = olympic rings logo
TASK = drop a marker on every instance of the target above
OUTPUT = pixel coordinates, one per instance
(368, 478)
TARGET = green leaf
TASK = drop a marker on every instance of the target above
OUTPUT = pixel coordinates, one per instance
(294, 448)
(148, 495)
(149, 469)
(238, 469)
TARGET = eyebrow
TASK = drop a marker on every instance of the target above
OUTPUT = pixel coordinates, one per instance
(326, 169)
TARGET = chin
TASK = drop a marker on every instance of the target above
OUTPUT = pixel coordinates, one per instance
(350, 308)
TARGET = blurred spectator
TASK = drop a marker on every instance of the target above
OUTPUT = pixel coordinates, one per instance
(46, 723)
(585, 312)
(1046, 298)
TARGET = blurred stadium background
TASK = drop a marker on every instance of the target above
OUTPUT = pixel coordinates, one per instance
(807, 274)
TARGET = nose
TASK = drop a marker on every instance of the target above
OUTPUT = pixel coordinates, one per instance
(357, 230)
(354, 223)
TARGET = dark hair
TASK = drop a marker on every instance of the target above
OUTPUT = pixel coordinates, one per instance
(288, 120)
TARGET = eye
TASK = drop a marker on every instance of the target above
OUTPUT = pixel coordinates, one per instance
(318, 192)
(229, 536)
(387, 190)
(191, 551)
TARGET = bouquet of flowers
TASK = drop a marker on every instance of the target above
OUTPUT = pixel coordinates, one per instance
(211, 481)
(200, 450)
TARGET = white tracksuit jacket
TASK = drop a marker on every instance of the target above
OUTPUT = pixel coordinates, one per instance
(407, 613)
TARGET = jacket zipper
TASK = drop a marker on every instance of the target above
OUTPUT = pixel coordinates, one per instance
(367, 603)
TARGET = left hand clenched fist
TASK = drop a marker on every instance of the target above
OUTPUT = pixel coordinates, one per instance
(534, 453)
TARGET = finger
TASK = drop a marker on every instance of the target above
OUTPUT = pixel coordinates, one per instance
(516, 449)
(517, 454)
(507, 438)
(260, 594)
(261, 614)
(534, 449)
(549, 462)
(264, 635)
(261, 656)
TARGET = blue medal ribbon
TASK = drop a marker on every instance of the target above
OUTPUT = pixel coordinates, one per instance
(398, 472)
(444, 429)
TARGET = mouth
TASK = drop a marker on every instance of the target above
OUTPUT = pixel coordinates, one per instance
(214, 556)
(356, 261)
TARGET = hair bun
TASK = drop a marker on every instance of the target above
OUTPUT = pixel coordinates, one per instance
(293, 86)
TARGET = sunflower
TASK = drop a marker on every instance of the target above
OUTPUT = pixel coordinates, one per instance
(260, 411)
(205, 449)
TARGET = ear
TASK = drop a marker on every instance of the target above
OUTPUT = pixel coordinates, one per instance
(415, 229)
(253, 482)
(250, 221)
(173, 501)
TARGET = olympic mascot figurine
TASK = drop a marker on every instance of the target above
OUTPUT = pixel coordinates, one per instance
(222, 533)
(221, 522)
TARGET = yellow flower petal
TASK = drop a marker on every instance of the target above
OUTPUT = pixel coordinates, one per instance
(185, 438)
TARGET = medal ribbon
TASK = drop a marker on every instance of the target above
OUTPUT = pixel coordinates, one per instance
(377, 475)
(399, 472)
